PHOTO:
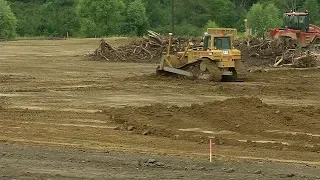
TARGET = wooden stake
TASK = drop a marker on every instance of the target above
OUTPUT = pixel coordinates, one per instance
(210, 144)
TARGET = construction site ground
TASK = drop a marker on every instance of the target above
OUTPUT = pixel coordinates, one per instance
(65, 117)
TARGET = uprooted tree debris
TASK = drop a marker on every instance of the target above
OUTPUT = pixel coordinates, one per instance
(259, 52)
(297, 59)
(256, 52)
(149, 49)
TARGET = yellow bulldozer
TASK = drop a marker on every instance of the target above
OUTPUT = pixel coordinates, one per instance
(214, 60)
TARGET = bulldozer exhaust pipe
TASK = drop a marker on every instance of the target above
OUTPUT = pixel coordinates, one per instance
(169, 45)
(168, 53)
(246, 33)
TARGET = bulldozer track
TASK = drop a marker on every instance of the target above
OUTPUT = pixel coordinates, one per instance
(204, 69)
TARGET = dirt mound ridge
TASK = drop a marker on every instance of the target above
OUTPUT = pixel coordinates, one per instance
(243, 115)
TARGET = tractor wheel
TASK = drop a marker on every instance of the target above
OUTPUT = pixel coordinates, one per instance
(204, 69)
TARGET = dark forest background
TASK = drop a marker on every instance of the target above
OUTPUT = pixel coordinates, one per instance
(97, 18)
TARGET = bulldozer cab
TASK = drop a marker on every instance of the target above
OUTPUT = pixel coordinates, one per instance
(217, 42)
(219, 38)
(222, 43)
(297, 21)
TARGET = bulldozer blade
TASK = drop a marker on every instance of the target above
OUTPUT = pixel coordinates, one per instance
(178, 71)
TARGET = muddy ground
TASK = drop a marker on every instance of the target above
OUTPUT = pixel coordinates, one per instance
(55, 102)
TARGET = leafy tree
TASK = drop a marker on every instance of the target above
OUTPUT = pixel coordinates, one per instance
(136, 18)
(100, 17)
(286, 5)
(223, 12)
(273, 15)
(29, 18)
(197, 13)
(282, 5)
(41, 18)
(313, 8)
(113, 17)
(8, 21)
(256, 19)
(159, 14)
(261, 18)
(188, 29)
(60, 18)
(211, 24)
(241, 9)
(246, 4)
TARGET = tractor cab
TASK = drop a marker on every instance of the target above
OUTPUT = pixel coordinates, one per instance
(297, 21)
(216, 42)
(222, 43)
(297, 31)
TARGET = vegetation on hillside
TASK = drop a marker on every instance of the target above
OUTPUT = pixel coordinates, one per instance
(8, 21)
(82, 18)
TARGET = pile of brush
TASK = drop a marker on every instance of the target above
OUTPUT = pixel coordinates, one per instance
(150, 49)
(261, 52)
(255, 51)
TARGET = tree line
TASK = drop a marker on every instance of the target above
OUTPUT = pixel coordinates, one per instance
(88, 18)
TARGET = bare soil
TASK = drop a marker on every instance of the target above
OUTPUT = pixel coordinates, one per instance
(55, 102)
(34, 162)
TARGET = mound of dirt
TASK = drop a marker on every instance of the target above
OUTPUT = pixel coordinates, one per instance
(243, 115)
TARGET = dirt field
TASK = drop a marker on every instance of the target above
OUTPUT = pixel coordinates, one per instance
(59, 110)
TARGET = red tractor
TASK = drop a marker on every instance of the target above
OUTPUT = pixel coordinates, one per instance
(297, 32)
